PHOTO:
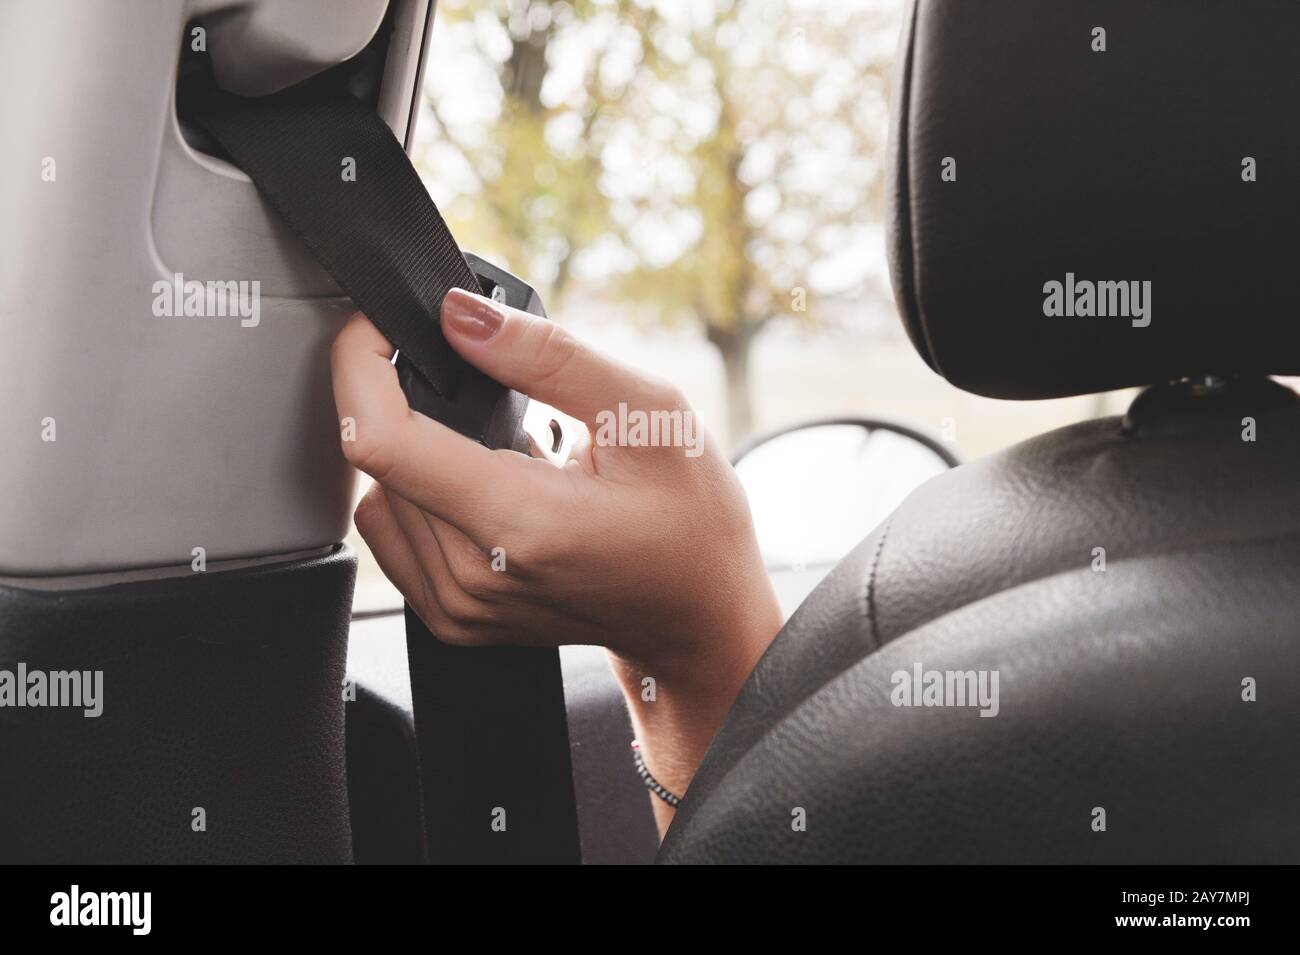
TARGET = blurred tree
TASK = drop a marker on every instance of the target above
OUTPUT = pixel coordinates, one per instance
(713, 161)
(531, 145)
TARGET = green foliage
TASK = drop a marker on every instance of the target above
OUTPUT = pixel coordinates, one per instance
(696, 158)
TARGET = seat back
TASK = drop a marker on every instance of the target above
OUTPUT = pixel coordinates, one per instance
(1083, 648)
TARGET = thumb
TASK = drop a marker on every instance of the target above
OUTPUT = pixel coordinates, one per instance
(542, 360)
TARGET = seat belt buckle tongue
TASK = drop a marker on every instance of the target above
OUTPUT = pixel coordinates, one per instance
(482, 409)
(505, 287)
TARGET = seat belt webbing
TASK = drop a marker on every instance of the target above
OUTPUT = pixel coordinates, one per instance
(379, 235)
(492, 735)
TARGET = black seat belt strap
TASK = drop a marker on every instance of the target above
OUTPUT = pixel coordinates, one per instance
(491, 730)
(335, 173)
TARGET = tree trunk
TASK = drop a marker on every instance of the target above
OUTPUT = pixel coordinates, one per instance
(525, 70)
(735, 364)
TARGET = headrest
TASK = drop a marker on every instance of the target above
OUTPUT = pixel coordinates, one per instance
(1094, 194)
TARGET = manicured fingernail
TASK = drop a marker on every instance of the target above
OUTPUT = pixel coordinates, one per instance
(473, 316)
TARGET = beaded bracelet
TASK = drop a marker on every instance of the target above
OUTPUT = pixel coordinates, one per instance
(651, 783)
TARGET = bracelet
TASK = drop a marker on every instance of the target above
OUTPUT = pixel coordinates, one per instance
(651, 783)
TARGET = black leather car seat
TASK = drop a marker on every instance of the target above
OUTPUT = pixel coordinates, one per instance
(1134, 583)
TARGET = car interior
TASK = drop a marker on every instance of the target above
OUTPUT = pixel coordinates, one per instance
(1066, 213)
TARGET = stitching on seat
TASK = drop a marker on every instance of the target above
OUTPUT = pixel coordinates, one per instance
(871, 584)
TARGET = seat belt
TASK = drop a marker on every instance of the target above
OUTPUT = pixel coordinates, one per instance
(491, 732)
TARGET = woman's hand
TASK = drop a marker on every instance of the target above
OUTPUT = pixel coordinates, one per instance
(646, 550)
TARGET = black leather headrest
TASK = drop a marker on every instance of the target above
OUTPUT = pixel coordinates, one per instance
(1163, 169)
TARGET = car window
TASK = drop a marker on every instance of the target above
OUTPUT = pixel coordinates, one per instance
(698, 190)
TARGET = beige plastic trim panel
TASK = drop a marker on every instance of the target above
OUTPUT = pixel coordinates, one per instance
(170, 433)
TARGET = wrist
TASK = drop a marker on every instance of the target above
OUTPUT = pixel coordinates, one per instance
(677, 703)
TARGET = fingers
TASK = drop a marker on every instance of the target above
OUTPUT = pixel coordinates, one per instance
(457, 571)
(414, 564)
(580, 451)
(412, 455)
(378, 527)
(542, 360)
(393, 551)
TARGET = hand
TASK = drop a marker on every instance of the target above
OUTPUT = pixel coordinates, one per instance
(647, 550)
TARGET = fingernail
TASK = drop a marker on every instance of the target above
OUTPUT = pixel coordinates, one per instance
(473, 316)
